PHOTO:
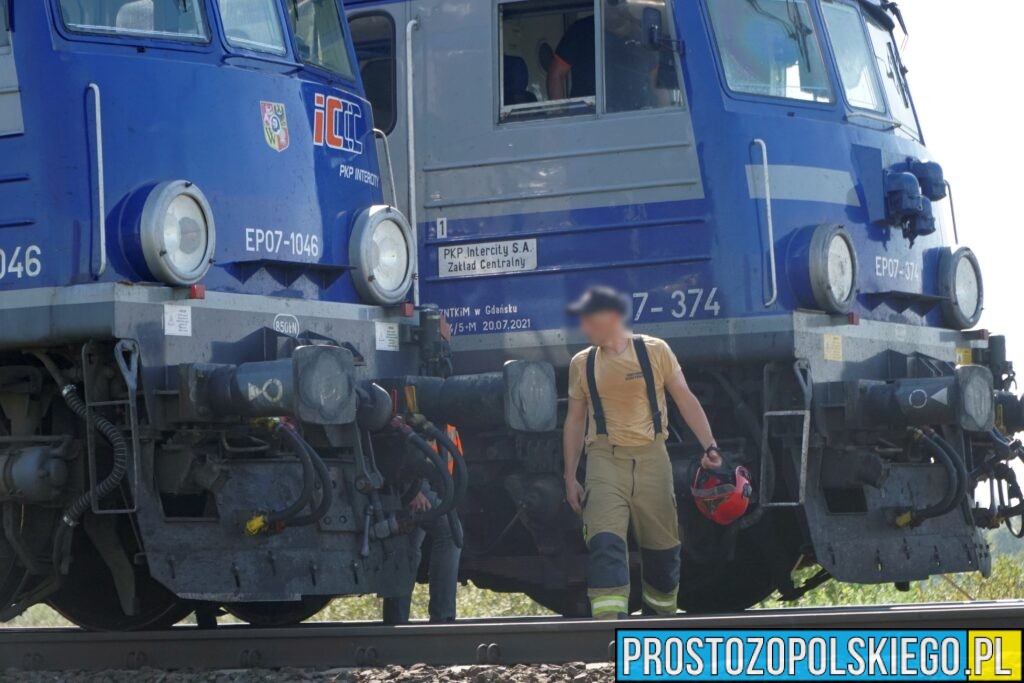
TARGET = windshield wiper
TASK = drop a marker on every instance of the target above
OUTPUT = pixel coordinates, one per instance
(895, 10)
(797, 31)
(803, 32)
(887, 14)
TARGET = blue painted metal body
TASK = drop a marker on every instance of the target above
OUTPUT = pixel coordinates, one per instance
(283, 216)
(829, 163)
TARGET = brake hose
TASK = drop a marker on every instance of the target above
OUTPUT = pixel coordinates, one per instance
(961, 469)
(460, 478)
(326, 488)
(448, 494)
(461, 474)
(271, 521)
(957, 484)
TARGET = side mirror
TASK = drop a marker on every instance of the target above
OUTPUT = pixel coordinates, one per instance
(652, 20)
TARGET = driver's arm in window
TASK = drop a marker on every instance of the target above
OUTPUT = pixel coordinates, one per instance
(558, 72)
(574, 57)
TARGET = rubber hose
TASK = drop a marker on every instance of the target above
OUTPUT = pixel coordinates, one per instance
(326, 486)
(953, 477)
(120, 456)
(461, 474)
(448, 494)
(298, 447)
(961, 471)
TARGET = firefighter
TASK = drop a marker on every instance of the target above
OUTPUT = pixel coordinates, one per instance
(623, 379)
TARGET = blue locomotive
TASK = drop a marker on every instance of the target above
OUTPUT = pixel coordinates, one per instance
(208, 332)
(754, 174)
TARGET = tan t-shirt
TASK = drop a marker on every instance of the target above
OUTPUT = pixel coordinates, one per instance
(620, 382)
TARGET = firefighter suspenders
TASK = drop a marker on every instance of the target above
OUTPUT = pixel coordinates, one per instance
(644, 359)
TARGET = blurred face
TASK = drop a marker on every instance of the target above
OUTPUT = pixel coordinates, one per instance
(601, 327)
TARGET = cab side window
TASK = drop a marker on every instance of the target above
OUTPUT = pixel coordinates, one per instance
(560, 58)
(640, 70)
(253, 25)
(374, 39)
(158, 19)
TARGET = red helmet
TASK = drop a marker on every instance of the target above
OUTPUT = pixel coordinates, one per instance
(722, 496)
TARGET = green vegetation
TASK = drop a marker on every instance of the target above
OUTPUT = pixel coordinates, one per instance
(1006, 583)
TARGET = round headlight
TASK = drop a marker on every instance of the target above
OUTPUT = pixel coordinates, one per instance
(177, 233)
(961, 288)
(833, 269)
(383, 256)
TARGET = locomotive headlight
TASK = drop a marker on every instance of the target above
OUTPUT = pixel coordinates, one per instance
(382, 253)
(823, 268)
(961, 288)
(177, 233)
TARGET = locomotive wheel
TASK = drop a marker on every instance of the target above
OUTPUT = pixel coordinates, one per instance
(271, 614)
(88, 597)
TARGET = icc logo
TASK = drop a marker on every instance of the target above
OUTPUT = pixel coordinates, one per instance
(275, 125)
(336, 123)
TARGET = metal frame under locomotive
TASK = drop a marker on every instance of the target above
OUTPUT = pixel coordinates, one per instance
(228, 436)
(725, 193)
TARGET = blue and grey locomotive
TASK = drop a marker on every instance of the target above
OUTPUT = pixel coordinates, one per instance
(205, 332)
(754, 173)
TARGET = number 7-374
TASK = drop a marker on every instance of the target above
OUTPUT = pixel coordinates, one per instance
(687, 304)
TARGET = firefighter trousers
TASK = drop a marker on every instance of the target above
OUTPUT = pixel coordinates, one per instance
(624, 486)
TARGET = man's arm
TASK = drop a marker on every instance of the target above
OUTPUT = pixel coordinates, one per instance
(558, 72)
(572, 449)
(693, 414)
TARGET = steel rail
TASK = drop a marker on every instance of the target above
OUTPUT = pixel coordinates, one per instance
(494, 641)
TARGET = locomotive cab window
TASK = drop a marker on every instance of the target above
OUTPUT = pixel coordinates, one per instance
(373, 36)
(770, 48)
(553, 60)
(166, 19)
(253, 25)
(319, 35)
(854, 56)
(894, 79)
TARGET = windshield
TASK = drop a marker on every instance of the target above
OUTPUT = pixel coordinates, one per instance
(175, 19)
(319, 35)
(854, 55)
(770, 47)
(895, 82)
(253, 25)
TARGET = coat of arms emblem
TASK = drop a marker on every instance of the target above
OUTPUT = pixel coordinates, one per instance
(275, 125)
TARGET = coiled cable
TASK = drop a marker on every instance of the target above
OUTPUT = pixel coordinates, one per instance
(119, 454)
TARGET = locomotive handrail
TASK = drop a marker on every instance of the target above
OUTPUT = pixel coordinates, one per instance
(952, 213)
(771, 225)
(411, 145)
(101, 200)
(382, 136)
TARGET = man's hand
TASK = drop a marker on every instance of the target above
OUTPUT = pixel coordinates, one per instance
(712, 459)
(420, 503)
(574, 494)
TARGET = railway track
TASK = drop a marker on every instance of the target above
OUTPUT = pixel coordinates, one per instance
(494, 641)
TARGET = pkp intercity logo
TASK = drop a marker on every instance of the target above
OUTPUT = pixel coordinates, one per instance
(337, 123)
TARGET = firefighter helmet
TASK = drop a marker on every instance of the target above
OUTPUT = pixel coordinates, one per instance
(722, 496)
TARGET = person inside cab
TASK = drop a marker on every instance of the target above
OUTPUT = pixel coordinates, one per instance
(618, 412)
(631, 62)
